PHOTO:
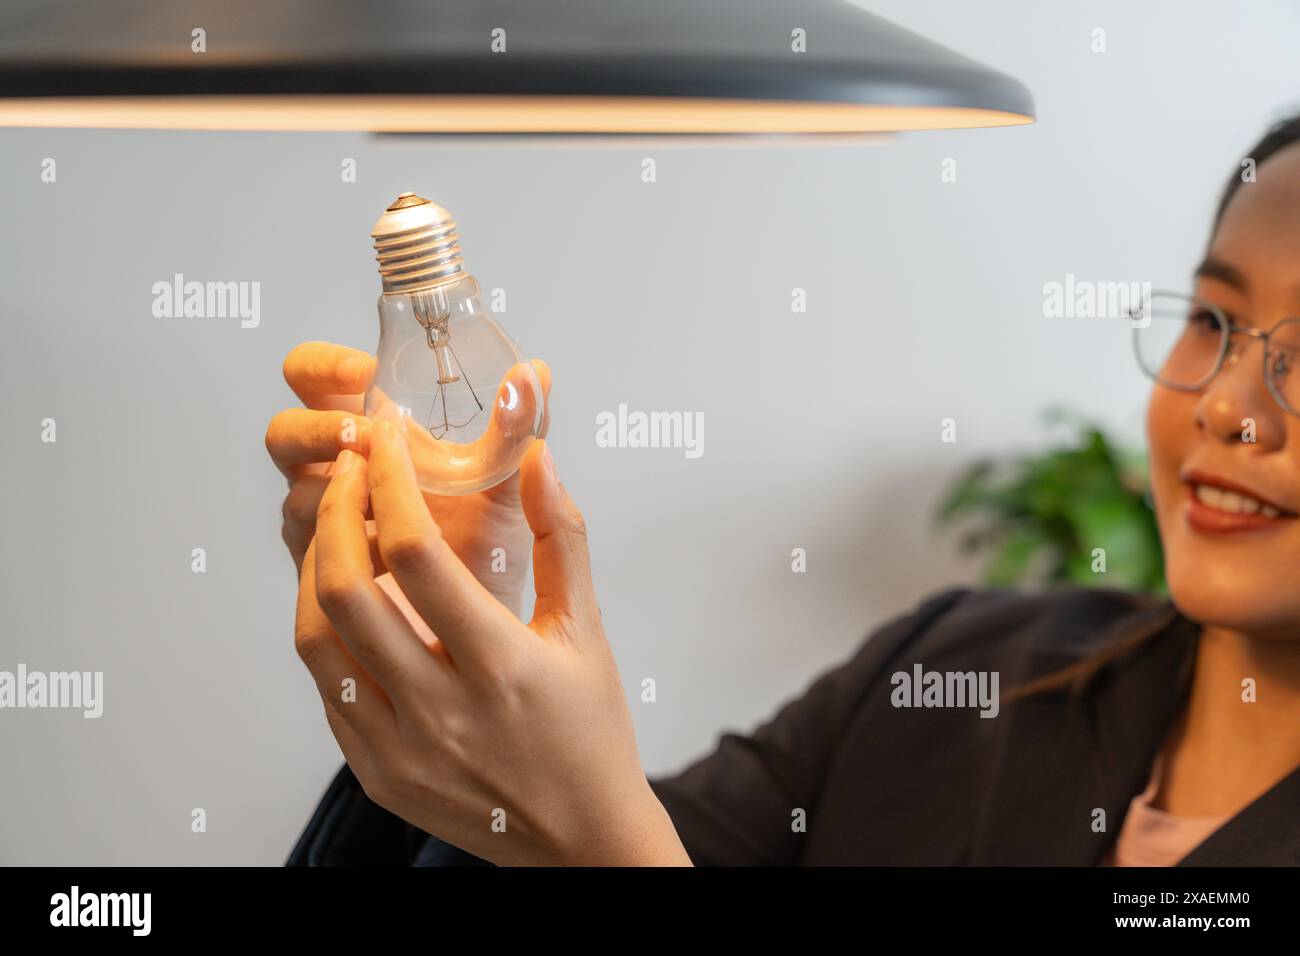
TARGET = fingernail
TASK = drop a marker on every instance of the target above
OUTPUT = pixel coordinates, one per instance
(351, 369)
(548, 461)
(363, 431)
(381, 433)
(343, 464)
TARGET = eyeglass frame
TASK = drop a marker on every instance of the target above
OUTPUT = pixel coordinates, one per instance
(1226, 331)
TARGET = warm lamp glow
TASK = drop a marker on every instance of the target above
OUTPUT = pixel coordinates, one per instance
(490, 114)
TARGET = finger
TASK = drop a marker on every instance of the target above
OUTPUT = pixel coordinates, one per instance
(300, 508)
(345, 688)
(300, 436)
(471, 624)
(561, 563)
(299, 531)
(514, 417)
(507, 492)
(544, 379)
(520, 395)
(351, 744)
(543, 376)
(364, 617)
(299, 512)
(327, 376)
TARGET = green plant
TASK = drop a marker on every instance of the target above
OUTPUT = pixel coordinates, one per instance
(1041, 518)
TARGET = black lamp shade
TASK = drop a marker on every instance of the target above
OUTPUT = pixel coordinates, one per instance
(458, 66)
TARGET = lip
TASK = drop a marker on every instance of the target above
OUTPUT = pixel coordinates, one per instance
(1203, 518)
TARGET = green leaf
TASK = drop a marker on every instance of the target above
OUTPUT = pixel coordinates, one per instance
(1116, 524)
(1051, 510)
(1015, 558)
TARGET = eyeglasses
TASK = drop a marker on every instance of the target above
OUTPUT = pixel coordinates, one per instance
(1182, 342)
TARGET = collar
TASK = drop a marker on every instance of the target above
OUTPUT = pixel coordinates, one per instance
(1069, 766)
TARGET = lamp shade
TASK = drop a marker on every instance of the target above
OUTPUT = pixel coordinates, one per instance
(487, 66)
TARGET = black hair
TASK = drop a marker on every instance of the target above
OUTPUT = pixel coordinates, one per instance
(1283, 134)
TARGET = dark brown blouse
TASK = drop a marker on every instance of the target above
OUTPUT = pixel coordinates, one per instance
(902, 755)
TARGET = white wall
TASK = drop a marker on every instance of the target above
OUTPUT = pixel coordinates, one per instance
(822, 430)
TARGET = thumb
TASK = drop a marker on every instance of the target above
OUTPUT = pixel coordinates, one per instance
(561, 564)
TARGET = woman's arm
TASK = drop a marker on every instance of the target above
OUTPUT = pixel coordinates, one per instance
(739, 806)
(511, 741)
(733, 807)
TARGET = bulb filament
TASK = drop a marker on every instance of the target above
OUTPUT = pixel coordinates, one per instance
(432, 312)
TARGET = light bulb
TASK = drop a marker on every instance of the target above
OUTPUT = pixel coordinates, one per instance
(448, 376)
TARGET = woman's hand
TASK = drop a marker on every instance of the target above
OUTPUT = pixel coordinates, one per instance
(330, 380)
(304, 442)
(511, 741)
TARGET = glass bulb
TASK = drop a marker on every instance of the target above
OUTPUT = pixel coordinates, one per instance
(448, 376)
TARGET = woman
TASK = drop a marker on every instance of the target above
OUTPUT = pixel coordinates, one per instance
(1140, 731)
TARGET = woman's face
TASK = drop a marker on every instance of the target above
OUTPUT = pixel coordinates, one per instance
(1225, 569)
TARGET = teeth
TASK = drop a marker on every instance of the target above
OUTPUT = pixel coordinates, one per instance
(1233, 502)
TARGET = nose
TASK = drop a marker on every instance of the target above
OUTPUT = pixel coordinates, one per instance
(1239, 393)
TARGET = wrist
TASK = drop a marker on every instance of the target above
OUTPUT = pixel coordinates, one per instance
(641, 834)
